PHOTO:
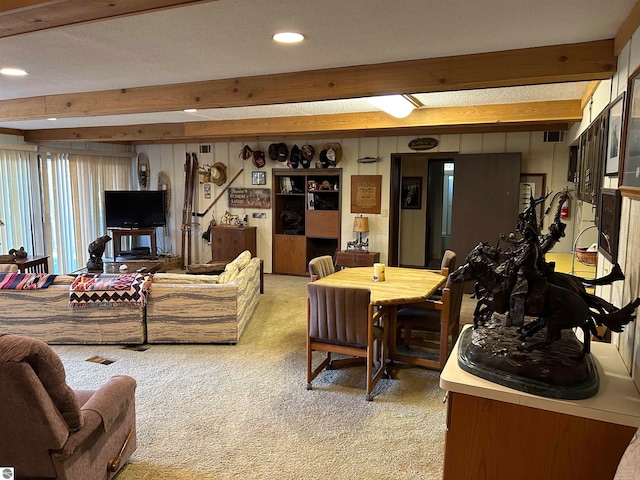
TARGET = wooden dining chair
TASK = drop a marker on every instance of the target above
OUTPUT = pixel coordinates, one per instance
(321, 267)
(428, 330)
(342, 320)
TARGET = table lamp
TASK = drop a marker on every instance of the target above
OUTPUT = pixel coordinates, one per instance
(360, 226)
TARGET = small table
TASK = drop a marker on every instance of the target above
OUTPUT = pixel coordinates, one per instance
(118, 233)
(349, 258)
(32, 264)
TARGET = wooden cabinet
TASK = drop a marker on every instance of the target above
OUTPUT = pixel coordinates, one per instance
(306, 217)
(228, 242)
(497, 433)
(587, 159)
(289, 254)
(356, 259)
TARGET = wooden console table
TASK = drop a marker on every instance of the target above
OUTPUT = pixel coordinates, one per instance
(118, 233)
(356, 259)
(495, 432)
(32, 264)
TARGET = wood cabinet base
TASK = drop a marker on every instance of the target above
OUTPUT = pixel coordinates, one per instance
(489, 439)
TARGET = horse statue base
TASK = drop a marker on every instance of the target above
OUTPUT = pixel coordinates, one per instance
(496, 353)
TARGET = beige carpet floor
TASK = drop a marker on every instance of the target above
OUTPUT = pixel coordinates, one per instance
(243, 412)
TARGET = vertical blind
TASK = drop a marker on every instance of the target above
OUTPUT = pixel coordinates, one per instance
(73, 192)
(18, 192)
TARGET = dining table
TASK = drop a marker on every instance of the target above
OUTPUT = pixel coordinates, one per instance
(401, 286)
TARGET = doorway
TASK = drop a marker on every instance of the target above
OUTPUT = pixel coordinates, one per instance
(420, 230)
(439, 210)
(467, 199)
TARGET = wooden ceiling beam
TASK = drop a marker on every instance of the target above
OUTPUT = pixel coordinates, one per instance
(557, 113)
(560, 63)
(18, 17)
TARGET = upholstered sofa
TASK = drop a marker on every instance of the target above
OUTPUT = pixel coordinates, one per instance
(180, 308)
(44, 314)
(204, 308)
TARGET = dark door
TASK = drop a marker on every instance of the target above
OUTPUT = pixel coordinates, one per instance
(485, 199)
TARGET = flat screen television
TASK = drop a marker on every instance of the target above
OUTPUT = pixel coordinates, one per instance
(135, 208)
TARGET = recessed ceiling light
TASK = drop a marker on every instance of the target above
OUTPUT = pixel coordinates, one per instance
(52, 119)
(288, 37)
(190, 110)
(15, 72)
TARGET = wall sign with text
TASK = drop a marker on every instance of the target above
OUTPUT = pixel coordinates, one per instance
(366, 193)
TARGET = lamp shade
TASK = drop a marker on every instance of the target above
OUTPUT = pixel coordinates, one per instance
(361, 224)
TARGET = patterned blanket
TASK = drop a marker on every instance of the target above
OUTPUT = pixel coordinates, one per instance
(110, 290)
(25, 281)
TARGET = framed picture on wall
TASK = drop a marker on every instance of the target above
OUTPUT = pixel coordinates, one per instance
(629, 175)
(258, 178)
(609, 223)
(411, 195)
(366, 193)
(612, 158)
(532, 184)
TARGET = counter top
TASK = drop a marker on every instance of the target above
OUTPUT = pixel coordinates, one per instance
(617, 400)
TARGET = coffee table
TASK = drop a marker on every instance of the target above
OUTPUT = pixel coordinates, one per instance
(149, 266)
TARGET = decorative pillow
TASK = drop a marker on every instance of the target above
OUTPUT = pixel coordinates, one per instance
(242, 260)
(230, 273)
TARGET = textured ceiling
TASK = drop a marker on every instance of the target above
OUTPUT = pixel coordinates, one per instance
(232, 38)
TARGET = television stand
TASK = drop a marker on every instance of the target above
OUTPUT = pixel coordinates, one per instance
(118, 233)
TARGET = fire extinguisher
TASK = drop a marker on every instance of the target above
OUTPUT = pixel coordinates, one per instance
(564, 210)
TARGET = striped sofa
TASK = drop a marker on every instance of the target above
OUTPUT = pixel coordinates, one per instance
(194, 309)
(45, 314)
(180, 308)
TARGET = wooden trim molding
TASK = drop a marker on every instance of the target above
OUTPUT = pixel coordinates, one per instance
(26, 16)
(559, 63)
(522, 116)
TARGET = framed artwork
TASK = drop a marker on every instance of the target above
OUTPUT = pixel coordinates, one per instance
(411, 193)
(629, 174)
(532, 184)
(258, 178)
(609, 223)
(249, 197)
(366, 193)
(612, 159)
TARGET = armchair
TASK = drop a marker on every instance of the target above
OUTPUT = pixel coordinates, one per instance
(321, 267)
(342, 320)
(52, 431)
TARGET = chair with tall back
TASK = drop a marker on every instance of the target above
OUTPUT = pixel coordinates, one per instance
(342, 320)
(321, 267)
(51, 431)
(432, 326)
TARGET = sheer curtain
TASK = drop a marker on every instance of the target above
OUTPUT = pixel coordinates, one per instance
(73, 192)
(18, 193)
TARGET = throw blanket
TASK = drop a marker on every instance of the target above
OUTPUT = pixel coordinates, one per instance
(110, 290)
(25, 281)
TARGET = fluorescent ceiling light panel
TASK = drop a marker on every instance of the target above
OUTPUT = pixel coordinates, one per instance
(14, 72)
(398, 106)
(288, 37)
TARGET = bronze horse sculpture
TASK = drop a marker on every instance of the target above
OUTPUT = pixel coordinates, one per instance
(561, 308)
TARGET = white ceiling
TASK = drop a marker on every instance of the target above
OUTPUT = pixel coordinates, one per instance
(232, 38)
